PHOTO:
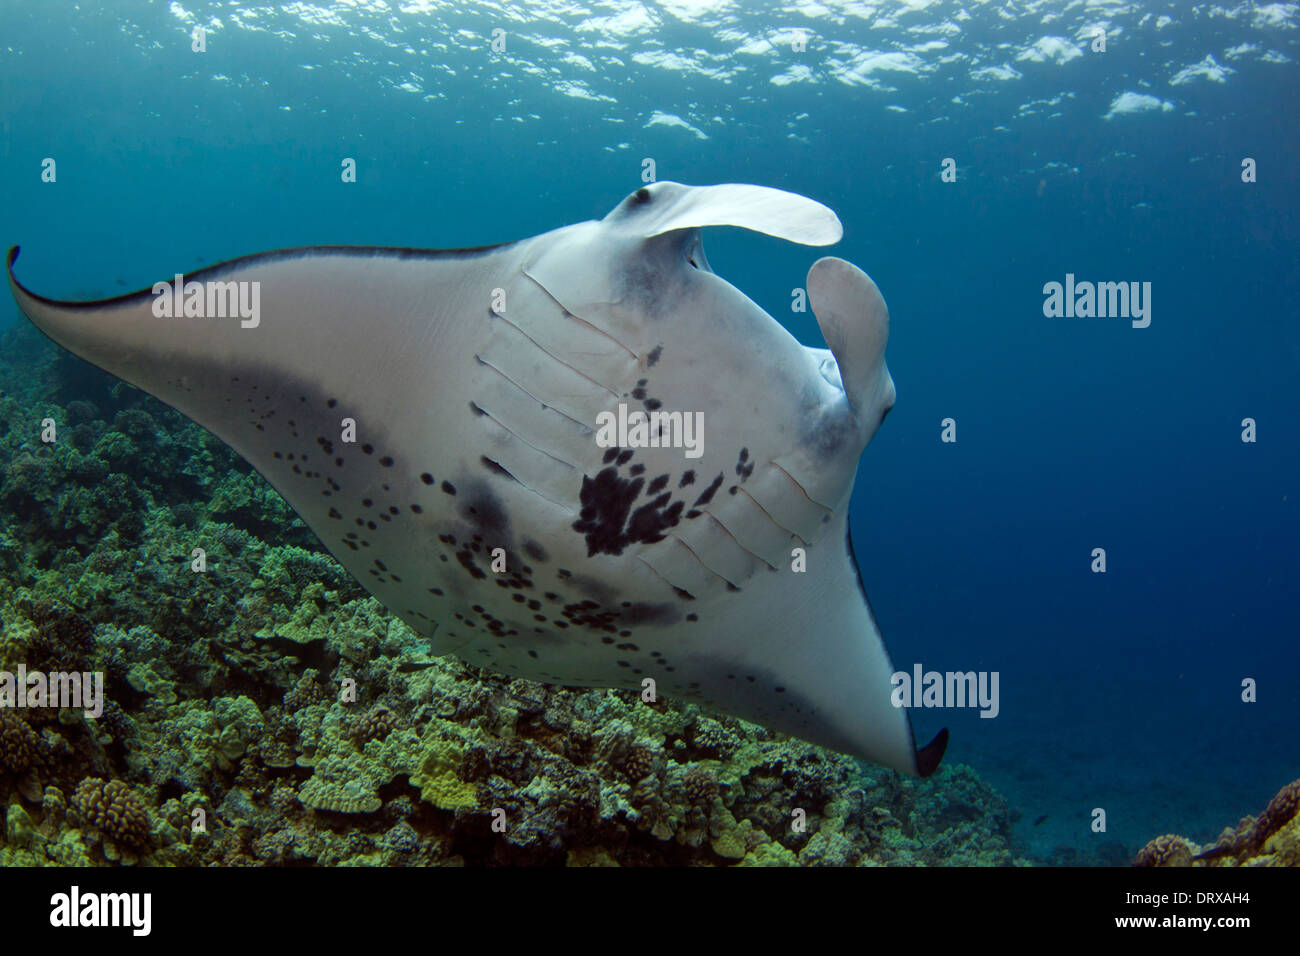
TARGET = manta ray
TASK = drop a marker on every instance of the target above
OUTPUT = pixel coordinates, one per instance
(581, 458)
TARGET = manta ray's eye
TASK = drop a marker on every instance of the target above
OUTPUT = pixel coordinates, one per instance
(641, 195)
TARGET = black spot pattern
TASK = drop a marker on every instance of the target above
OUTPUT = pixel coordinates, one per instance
(744, 467)
(608, 520)
(707, 495)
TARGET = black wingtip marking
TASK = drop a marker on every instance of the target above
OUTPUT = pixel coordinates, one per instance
(275, 255)
(929, 756)
(12, 257)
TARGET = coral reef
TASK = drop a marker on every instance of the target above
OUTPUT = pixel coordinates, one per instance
(1272, 839)
(266, 710)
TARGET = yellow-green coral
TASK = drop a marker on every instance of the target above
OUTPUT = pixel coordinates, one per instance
(770, 854)
(438, 778)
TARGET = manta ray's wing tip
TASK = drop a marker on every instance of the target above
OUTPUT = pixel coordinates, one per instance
(9, 260)
(929, 756)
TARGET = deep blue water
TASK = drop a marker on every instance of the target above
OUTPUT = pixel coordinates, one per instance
(1119, 690)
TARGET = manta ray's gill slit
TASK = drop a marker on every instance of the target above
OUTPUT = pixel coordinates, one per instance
(545, 351)
(479, 410)
(482, 361)
(682, 593)
(801, 488)
(577, 318)
(727, 531)
(700, 562)
(497, 468)
(768, 515)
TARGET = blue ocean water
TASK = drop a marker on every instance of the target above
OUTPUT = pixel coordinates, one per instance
(1119, 690)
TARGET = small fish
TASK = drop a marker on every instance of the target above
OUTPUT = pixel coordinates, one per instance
(1040, 820)
(408, 666)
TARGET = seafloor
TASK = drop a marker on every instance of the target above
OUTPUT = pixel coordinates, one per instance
(224, 695)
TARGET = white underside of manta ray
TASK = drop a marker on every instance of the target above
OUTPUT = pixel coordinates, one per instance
(476, 379)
